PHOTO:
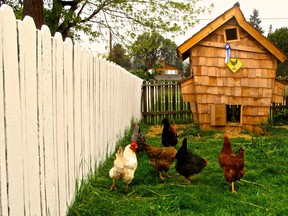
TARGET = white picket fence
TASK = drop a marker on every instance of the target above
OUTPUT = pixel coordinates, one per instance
(62, 110)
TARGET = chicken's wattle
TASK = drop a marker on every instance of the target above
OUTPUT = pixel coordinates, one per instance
(133, 146)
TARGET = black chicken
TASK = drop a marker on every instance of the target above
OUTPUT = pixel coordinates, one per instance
(188, 163)
(169, 134)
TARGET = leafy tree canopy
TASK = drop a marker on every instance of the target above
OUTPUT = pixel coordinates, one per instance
(124, 18)
(255, 21)
(17, 7)
(149, 48)
(120, 57)
(186, 70)
(279, 37)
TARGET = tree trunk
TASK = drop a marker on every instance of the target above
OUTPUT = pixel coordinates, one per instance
(34, 9)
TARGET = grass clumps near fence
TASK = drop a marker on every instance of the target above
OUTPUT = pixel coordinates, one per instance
(262, 190)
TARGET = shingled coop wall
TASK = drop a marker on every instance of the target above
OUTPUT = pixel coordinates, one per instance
(220, 98)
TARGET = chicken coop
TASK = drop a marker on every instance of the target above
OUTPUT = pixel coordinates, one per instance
(233, 70)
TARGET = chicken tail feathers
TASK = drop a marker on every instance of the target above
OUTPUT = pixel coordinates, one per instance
(240, 152)
(120, 159)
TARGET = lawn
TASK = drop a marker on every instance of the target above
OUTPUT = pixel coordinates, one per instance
(262, 190)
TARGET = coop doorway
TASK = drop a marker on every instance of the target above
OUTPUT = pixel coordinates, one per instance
(233, 113)
(226, 114)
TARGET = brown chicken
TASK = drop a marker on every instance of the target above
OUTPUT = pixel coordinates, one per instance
(169, 134)
(231, 164)
(188, 163)
(160, 158)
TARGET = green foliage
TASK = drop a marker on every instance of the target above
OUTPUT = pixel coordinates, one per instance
(280, 118)
(149, 48)
(186, 70)
(266, 126)
(255, 21)
(262, 190)
(17, 7)
(120, 57)
(123, 18)
(145, 75)
(279, 37)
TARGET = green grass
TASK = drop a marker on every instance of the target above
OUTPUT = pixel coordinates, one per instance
(262, 191)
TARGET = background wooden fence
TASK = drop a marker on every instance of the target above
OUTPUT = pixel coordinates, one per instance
(62, 111)
(163, 99)
(282, 108)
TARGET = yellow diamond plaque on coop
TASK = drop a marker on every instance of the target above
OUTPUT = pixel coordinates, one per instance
(234, 64)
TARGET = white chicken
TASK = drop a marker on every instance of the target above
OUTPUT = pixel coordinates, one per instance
(125, 165)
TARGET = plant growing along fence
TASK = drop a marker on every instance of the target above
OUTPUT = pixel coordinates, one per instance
(62, 111)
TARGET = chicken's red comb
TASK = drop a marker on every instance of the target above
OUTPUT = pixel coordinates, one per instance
(133, 144)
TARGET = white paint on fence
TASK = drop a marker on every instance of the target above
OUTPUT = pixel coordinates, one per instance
(14, 143)
(28, 98)
(62, 110)
(3, 147)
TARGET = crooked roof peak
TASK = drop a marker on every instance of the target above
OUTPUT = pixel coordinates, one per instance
(235, 11)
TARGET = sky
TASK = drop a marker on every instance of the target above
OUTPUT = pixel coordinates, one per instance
(271, 12)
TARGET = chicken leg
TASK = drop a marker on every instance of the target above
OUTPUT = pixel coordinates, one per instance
(167, 175)
(113, 186)
(126, 187)
(160, 176)
(232, 187)
(187, 181)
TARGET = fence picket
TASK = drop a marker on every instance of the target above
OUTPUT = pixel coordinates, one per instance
(28, 79)
(12, 114)
(78, 113)
(102, 107)
(69, 120)
(59, 98)
(97, 114)
(46, 110)
(85, 108)
(3, 147)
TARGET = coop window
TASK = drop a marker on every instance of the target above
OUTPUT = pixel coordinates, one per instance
(233, 113)
(174, 72)
(231, 34)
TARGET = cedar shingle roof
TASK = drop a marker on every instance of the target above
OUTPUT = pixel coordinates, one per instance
(184, 49)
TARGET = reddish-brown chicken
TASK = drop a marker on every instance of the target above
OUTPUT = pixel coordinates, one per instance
(231, 164)
(160, 158)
